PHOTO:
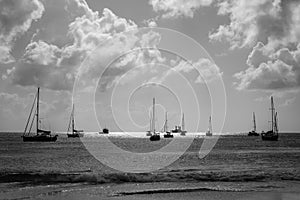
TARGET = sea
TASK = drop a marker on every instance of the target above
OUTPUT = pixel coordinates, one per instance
(65, 169)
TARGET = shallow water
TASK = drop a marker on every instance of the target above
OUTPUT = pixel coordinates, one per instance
(65, 168)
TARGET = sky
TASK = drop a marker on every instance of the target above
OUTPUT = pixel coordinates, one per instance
(224, 58)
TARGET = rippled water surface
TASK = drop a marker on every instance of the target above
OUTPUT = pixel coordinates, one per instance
(236, 163)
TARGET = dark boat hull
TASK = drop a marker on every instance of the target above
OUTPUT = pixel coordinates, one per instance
(75, 135)
(168, 135)
(39, 138)
(208, 134)
(104, 131)
(154, 137)
(269, 136)
(253, 133)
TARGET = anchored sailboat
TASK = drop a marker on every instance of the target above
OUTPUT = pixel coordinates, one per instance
(253, 132)
(104, 131)
(272, 135)
(183, 131)
(165, 129)
(71, 127)
(41, 135)
(154, 136)
(209, 131)
(180, 129)
(150, 127)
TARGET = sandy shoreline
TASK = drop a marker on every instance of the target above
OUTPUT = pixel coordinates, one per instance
(155, 191)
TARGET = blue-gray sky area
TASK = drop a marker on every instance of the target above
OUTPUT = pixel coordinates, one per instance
(253, 46)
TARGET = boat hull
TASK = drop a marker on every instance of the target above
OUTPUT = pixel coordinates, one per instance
(168, 135)
(39, 138)
(208, 134)
(75, 135)
(104, 131)
(269, 136)
(154, 137)
(253, 133)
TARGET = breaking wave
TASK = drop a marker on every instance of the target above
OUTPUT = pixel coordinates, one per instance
(164, 176)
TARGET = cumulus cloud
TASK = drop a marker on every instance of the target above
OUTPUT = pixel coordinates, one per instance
(106, 36)
(272, 28)
(16, 17)
(177, 8)
(271, 71)
(205, 70)
(39, 66)
(273, 22)
(53, 67)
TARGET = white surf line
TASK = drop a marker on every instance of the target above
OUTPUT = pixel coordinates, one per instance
(176, 190)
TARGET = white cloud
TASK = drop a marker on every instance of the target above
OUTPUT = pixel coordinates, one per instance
(204, 69)
(272, 28)
(39, 66)
(16, 17)
(273, 22)
(55, 68)
(177, 8)
(271, 70)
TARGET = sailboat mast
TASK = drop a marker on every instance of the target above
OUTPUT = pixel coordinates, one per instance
(73, 126)
(166, 123)
(182, 123)
(153, 118)
(150, 123)
(210, 126)
(276, 123)
(254, 122)
(37, 111)
(272, 113)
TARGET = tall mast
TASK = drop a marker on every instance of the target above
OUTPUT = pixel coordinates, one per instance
(166, 123)
(153, 118)
(72, 115)
(254, 122)
(37, 110)
(276, 123)
(272, 113)
(210, 126)
(150, 124)
(182, 123)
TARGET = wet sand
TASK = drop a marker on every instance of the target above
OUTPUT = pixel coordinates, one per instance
(152, 191)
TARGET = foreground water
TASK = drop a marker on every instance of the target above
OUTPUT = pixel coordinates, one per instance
(237, 165)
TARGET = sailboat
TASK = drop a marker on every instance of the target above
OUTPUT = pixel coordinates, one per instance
(41, 135)
(209, 131)
(154, 136)
(183, 131)
(272, 135)
(74, 132)
(104, 131)
(150, 126)
(165, 129)
(180, 129)
(253, 132)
